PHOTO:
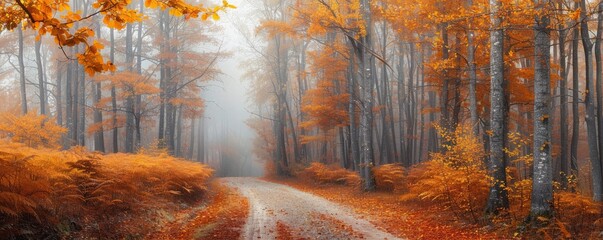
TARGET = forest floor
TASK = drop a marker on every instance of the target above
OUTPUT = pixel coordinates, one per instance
(385, 210)
(221, 216)
(283, 209)
(282, 212)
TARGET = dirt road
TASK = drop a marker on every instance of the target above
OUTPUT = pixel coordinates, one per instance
(281, 212)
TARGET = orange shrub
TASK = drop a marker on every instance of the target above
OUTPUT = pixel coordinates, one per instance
(32, 129)
(75, 193)
(323, 174)
(390, 177)
(578, 215)
(455, 180)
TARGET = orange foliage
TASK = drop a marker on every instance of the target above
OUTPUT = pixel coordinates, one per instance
(223, 218)
(77, 193)
(578, 216)
(390, 177)
(283, 231)
(32, 129)
(323, 174)
(56, 18)
(404, 220)
(327, 105)
(455, 180)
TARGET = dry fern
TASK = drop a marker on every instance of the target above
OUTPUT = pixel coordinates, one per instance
(70, 194)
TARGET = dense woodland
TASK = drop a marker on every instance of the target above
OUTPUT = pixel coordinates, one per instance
(491, 107)
(490, 110)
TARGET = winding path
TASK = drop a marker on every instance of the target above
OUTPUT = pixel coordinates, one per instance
(274, 206)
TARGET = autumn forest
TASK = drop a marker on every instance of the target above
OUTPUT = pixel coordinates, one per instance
(301, 119)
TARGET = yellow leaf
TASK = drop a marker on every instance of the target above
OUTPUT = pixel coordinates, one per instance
(175, 12)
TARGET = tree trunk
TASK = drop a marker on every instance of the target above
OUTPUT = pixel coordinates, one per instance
(354, 135)
(138, 101)
(178, 145)
(68, 142)
(575, 101)
(411, 107)
(22, 71)
(599, 86)
(130, 125)
(445, 115)
(401, 110)
(201, 142)
(41, 83)
(81, 91)
(99, 135)
(59, 92)
(472, 76)
(422, 108)
(591, 117)
(191, 146)
(281, 106)
(163, 78)
(542, 186)
(114, 99)
(497, 198)
(81, 107)
(563, 109)
(366, 94)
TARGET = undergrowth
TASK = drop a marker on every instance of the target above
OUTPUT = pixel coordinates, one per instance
(46, 193)
(456, 183)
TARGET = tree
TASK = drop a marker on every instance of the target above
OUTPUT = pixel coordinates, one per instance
(365, 58)
(498, 198)
(41, 81)
(589, 100)
(32, 129)
(472, 74)
(542, 187)
(22, 72)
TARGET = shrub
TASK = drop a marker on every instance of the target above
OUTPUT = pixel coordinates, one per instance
(32, 129)
(578, 215)
(455, 180)
(390, 177)
(323, 174)
(73, 194)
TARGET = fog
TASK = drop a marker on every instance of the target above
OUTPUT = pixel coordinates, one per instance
(226, 113)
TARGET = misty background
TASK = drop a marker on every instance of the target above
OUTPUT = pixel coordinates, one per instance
(229, 137)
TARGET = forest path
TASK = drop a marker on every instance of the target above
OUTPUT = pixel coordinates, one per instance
(281, 212)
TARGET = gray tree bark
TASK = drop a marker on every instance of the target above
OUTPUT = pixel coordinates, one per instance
(99, 135)
(472, 75)
(59, 92)
(542, 186)
(366, 95)
(352, 86)
(130, 124)
(401, 104)
(575, 100)
(115, 137)
(563, 132)
(591, 117)
(22, 72)
(41, 82)
(201, 142)
(498, 197)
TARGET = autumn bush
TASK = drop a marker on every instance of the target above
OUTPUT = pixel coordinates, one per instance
(323, 174)
(390, 177)
(31, 129)
(456, 180)
(578, 216)
(47, 193)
